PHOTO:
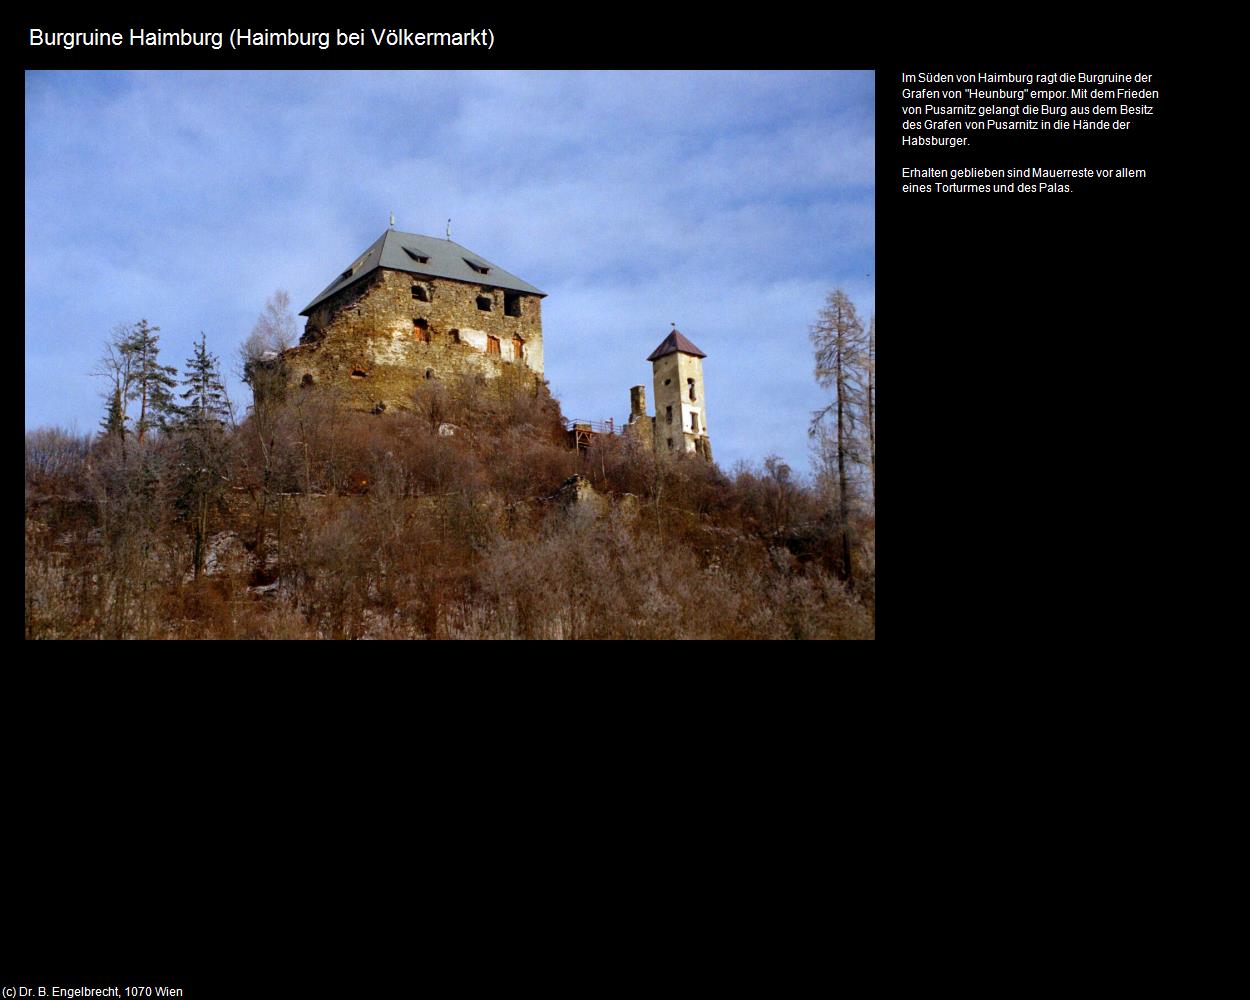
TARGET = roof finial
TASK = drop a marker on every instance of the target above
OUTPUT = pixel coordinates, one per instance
(392, 220)
(449, 230)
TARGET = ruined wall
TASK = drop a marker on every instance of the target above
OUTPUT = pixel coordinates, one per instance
(642, 430)
(640, 427)
(374, 342)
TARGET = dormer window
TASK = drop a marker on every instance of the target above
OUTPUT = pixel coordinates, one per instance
(420, 258)
(479, 268)
(354, 268)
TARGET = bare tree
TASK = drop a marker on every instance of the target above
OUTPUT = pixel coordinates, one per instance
(841, 356)
(260, 358)
(261, 369)
(780, 495)
(275, 329)
(870, 402)
(117, 367)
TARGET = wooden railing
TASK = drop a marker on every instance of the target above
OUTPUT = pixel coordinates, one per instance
(597, 426)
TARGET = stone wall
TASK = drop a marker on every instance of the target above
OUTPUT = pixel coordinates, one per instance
(374, 342)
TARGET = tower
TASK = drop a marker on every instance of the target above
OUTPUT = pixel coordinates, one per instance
(680, 407)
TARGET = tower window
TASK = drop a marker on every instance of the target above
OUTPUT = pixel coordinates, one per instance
(492, 345)
(668, 414)
(421, 330)
(511, 304)
(484, 303)
(359, 373)
(455, 336)
(690, 383)
(306, 380)
(420, 294)
(694, 422)
(518, 349)
(429, 373)
(668, 381)
(670, 444)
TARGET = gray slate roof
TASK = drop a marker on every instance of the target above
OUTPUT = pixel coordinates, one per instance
(446, 260)
(672, 344)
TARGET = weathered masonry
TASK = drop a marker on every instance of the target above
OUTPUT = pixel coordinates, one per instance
(680, 421)
(416, 308)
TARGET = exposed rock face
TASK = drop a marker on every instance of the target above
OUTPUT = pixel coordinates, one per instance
(577, 494)
(375, 341)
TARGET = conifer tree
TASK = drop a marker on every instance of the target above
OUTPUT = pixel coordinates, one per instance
(152, 383)
(202, 446)
(113, 426)
(206, 405)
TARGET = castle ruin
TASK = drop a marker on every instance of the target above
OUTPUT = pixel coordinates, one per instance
(680, 421)
(414, 308)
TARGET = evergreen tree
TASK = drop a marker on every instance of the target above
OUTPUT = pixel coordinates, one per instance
(113, 426)
(152, 383)
(205, 403)
(203, 446)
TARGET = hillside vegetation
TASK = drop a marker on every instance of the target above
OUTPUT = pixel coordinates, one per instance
(448, 521)
(461, 514)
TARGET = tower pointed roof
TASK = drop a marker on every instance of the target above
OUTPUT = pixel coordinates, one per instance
(675, 343)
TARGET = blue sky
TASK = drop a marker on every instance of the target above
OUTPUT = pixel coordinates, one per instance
(728, 203)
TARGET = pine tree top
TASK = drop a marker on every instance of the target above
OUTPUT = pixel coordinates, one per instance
(205, 395)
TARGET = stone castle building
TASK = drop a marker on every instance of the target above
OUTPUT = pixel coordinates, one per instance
(680, 421)
(413, 308)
